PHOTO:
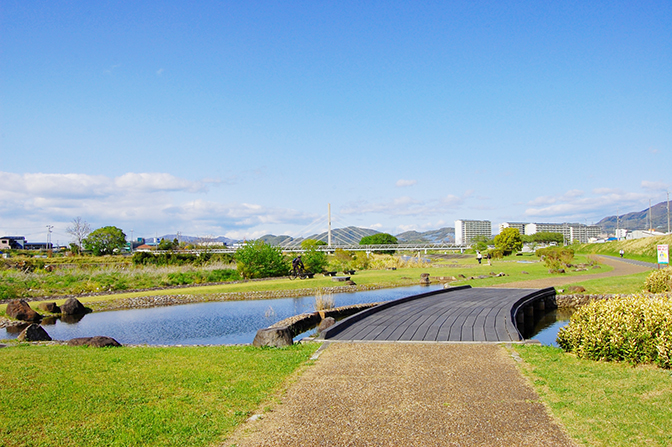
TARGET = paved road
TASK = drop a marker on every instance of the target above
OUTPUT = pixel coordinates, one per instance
(468, 314)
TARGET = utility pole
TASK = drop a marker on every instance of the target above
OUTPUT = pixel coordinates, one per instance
(49, 228)
(329, 219)
(668, 212)
(618, 223)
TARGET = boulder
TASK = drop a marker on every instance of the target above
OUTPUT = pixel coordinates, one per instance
(21, 310)
(576, 289)
(326, 324)
(49, 307)
(34, 332)
(273, 336)
(97, 342)
(72, 306)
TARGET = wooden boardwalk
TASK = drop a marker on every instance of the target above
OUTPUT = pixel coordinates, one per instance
(460, 314)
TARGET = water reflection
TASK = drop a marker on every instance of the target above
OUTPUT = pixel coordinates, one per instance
(546, 329)
(228, 322)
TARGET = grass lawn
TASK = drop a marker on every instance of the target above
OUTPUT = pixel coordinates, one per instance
(602, 404)
(615, 284)
(513, 267)
(149, 396)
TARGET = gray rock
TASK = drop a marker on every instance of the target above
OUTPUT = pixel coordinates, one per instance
(273, 336)
(34, 332)
(21, 310)
(325, 324)
(97, 342)
(72, 306)
(49, 307)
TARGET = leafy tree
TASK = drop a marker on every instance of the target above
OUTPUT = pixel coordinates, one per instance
(167, 244)
(258, 259)
(480, 242)
(509, 241)
(556, 258)
(315, 261)
(105, 241)
(79, 230)
(380, 239)
(543, 237)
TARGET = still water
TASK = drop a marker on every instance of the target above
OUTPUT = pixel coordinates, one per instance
(231, 322)
(216, 323)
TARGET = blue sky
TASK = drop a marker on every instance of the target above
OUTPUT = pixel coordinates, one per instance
(246, 118)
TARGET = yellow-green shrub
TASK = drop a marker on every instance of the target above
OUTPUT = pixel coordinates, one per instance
(659, 281)
(635, 328)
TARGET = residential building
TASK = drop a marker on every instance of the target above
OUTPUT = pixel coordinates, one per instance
(12, 243)
(520, 226)
(466, 230)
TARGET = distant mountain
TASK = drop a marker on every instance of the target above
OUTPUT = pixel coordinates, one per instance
(442, 235)
(276, 240)
(638, 220)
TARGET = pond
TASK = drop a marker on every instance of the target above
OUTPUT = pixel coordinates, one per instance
(214, 323)
(231, 322)
(546, 329)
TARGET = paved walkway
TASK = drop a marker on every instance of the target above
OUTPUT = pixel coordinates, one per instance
(402, 394)
(465, 314)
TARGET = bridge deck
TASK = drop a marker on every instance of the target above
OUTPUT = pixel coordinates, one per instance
(471, 314)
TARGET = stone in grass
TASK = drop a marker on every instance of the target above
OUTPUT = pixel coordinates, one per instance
(72, 306)
(326, 324)
(576, 289)
(273, 336)
(34, 332)
(97, 342)
(49, 307)
(21, 310)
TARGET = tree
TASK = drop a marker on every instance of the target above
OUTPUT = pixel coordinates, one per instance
(79, 230)
(315, 261)
(105, 241)
(509, 241)
(167, 244)
(258, 259)
(380, 239)
(543, 237)
(480, 242)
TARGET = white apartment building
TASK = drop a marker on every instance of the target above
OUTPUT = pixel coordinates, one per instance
(570, 231)
(520, 226)
(466, 230)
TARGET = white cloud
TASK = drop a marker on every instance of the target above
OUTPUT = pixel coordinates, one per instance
(576, 204)
(401, 183)
(159, 72)
(144, 201)
(655, 186)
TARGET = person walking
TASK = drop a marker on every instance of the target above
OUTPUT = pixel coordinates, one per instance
(479, 257)
(489, 256)
(621, 253)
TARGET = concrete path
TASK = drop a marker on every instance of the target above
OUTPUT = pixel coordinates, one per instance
(407, 394)
(621, 267)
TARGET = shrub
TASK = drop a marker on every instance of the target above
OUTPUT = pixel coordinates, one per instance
(556, 257)
(636, 329)
(260, 260)
(659, 281)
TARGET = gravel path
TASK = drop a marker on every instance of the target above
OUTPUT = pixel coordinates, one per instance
(621, 268)
(402, 394)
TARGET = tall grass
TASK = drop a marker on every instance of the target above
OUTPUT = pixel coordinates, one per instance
(324, 300)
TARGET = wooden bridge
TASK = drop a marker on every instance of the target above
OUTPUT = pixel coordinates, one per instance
(456, 314)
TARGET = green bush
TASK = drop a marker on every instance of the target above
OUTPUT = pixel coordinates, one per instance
(635, 329)
(659, 281)
(260, 260)
(556, 258)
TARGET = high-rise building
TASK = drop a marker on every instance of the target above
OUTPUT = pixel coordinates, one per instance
(466, 230)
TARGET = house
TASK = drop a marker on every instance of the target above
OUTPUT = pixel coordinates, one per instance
(12, 243)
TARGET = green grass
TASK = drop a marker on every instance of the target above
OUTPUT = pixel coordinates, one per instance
(602, 404)
(638, 249)
(366, 278)
(614, 284)
(149, 396)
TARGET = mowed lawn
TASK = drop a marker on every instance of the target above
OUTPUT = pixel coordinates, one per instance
(602, 403)
(132, 396)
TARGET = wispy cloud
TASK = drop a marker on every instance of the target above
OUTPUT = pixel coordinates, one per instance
(655, 186)
(148, 200)
(576, 204)
(401, 183)
(406, 206)
(159, 72)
